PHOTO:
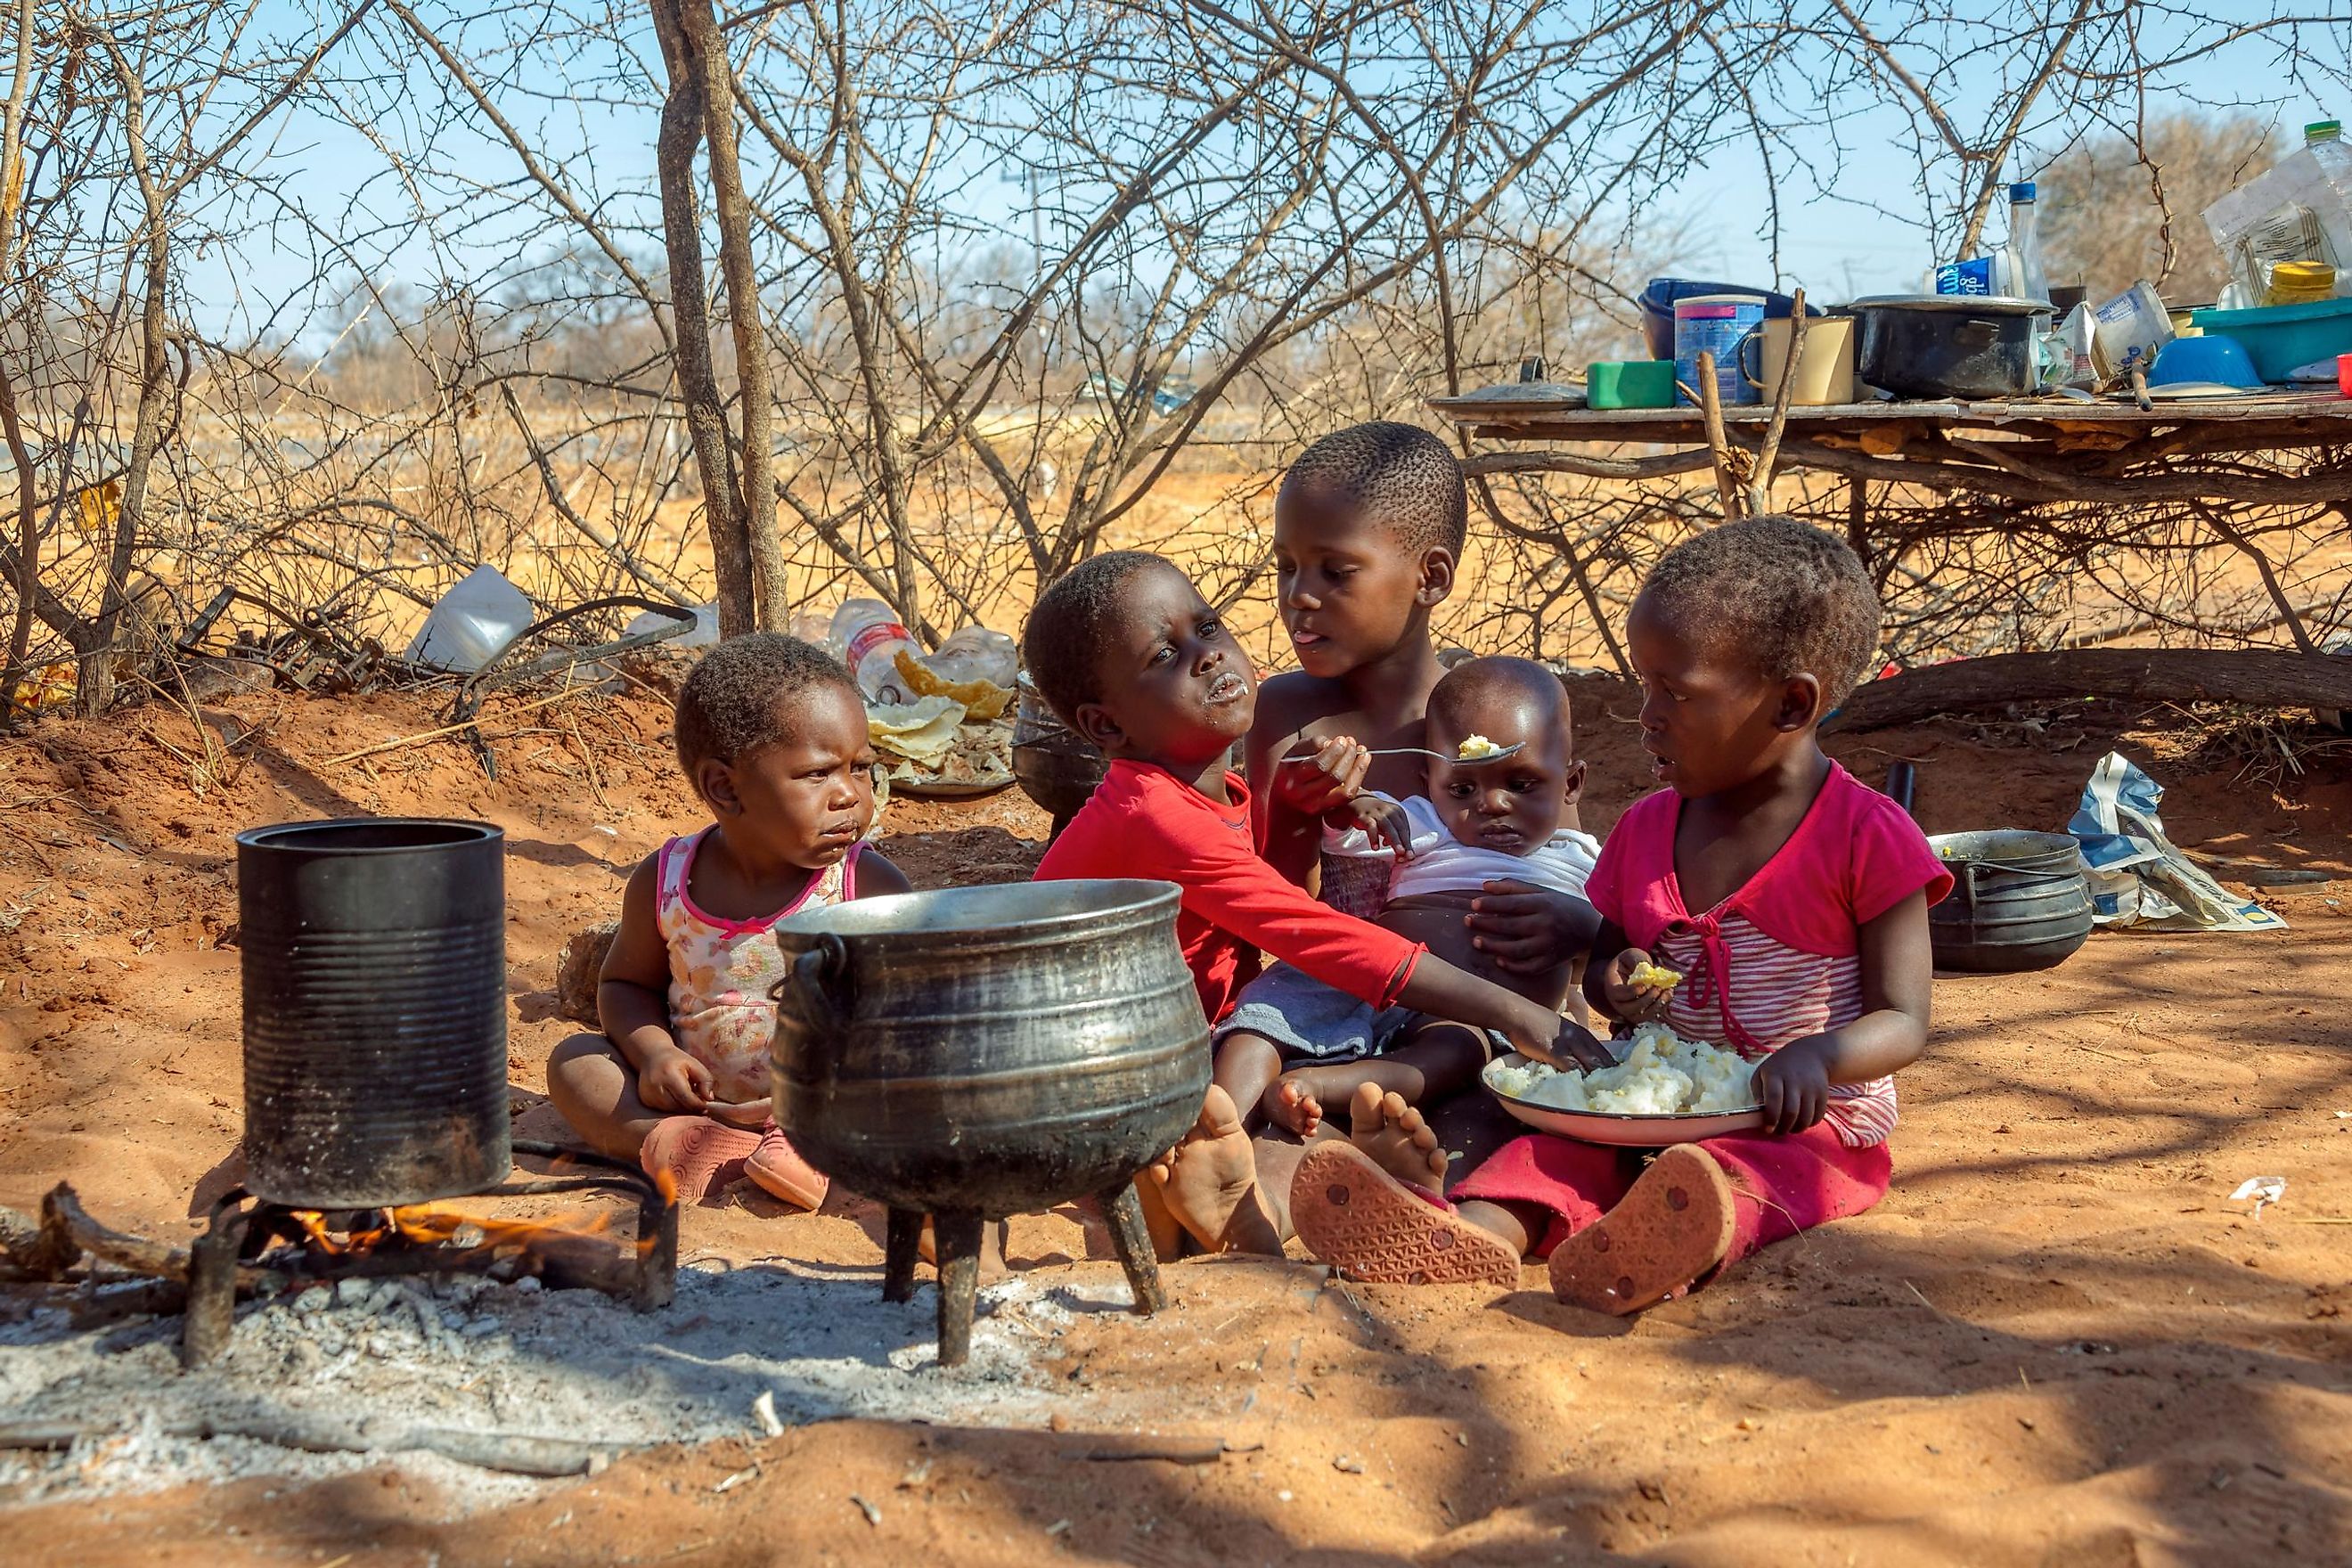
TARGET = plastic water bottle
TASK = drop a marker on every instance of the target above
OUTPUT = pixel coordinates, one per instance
(869, 636)
(975, 653)
(2022, 274)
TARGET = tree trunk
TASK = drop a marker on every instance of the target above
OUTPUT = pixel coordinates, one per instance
(94, 688)
(705, 414)
(2260, 679)
(769, 598)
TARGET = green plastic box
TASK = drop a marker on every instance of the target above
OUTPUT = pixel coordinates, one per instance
(1629, 383)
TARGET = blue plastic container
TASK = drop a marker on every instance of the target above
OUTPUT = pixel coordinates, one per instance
(1658, 308)
(2285, 337)
(1718, 324)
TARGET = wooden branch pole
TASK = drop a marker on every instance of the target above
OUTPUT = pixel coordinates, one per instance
(1760, 488)
(2259, 678)
(1710, 402)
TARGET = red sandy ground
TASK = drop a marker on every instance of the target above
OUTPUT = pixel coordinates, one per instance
(2057, 1342)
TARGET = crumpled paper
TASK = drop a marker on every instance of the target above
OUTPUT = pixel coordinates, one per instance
(2137, 876)
(923, 731)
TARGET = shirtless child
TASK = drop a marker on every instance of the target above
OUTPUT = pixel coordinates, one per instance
(1504, 807)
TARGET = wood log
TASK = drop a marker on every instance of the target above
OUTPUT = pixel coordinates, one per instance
(2256, 678)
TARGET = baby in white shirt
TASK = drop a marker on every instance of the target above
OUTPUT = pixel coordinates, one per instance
(1510, 817)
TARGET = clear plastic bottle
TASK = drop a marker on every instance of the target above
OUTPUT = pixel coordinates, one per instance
(2320, 131)
(975, 653)
(2022, 274)
(869, 636)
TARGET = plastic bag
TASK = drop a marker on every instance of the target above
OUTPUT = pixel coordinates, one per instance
(2300, 210)
(473, 621)
(2138, 878)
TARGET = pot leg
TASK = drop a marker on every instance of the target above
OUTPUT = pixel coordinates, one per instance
(901, 1249)
(1133, 1244)
(955, 1234)
(212, 1288)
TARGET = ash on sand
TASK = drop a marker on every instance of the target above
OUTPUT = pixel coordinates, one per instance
(381, 1359)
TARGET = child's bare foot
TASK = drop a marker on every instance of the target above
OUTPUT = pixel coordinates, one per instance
(1670, 1230)
(1395, 1138)
(698, 1154)
(1208, 1182)
(1288, 1103)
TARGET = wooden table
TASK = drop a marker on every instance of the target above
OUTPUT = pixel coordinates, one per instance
(2275, 448)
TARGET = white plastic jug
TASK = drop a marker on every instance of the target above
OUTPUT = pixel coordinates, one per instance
(473, 621)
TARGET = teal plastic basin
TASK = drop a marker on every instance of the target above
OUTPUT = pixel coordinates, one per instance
(2281, 338)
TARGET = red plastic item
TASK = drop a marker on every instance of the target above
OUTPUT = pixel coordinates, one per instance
(2344, 375)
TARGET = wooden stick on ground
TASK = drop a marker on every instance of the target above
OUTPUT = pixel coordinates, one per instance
(1759, 486)
(449, 728)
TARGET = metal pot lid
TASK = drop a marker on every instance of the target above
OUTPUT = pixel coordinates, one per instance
(1965, 304)
(1549, 394)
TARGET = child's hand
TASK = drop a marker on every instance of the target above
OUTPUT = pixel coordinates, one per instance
(1575, 1046)
(1528, 930)
(675, 1081)
(1315, 783)
(1384, 821)
(1634, 1003)
(1793, 1086)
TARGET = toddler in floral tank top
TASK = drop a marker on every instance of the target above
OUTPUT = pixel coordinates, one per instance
(1791, 899)
(772, 733)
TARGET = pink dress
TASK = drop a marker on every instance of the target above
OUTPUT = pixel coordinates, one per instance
(720, 970)
(1772, 964)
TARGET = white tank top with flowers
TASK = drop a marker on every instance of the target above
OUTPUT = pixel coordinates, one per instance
(720, 970)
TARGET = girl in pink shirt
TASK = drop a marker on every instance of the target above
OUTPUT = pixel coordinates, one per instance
(1792, 898)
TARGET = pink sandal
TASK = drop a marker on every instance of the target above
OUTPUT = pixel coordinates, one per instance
(1356, 1217)
(1671, 1229)
(779, 1170)
(695, 1152)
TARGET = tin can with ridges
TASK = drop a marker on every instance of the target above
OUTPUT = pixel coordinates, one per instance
(375, 1010)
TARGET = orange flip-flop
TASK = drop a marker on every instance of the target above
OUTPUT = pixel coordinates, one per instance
(695, 1151)
(777, 1169)
(1672, 1228)
(1356, 1217)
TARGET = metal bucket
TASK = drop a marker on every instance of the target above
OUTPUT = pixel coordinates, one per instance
(2020, 901)
(375, 1010)
(1056, 766)
(999, 1049)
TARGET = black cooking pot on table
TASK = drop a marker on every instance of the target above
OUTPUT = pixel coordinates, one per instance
(977, 1052)
(1950, 345)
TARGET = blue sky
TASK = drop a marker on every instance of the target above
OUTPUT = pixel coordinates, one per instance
(1866, 235)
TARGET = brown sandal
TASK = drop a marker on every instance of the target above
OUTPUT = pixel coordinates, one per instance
(1364, 1222)
(1670, 1229)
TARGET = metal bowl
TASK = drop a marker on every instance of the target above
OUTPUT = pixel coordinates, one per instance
(1617, 1128)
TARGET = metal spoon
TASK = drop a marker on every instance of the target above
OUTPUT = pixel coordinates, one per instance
(1495, 756)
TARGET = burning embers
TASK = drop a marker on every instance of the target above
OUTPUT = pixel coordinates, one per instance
(258, 1249)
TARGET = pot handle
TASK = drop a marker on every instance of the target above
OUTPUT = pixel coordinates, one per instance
(1976, 334)
(821, 978)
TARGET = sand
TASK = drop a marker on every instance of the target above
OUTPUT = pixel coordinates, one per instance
(2059, 1341)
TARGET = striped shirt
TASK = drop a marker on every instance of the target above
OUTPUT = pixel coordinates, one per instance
(1751, 993)
(1778, 960)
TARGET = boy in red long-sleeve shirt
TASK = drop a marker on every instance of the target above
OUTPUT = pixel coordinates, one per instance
(1133, 657)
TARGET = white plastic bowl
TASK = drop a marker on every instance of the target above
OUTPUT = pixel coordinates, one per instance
(1617, 1128)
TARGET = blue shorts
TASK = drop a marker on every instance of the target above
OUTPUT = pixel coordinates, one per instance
(1308, 1020)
